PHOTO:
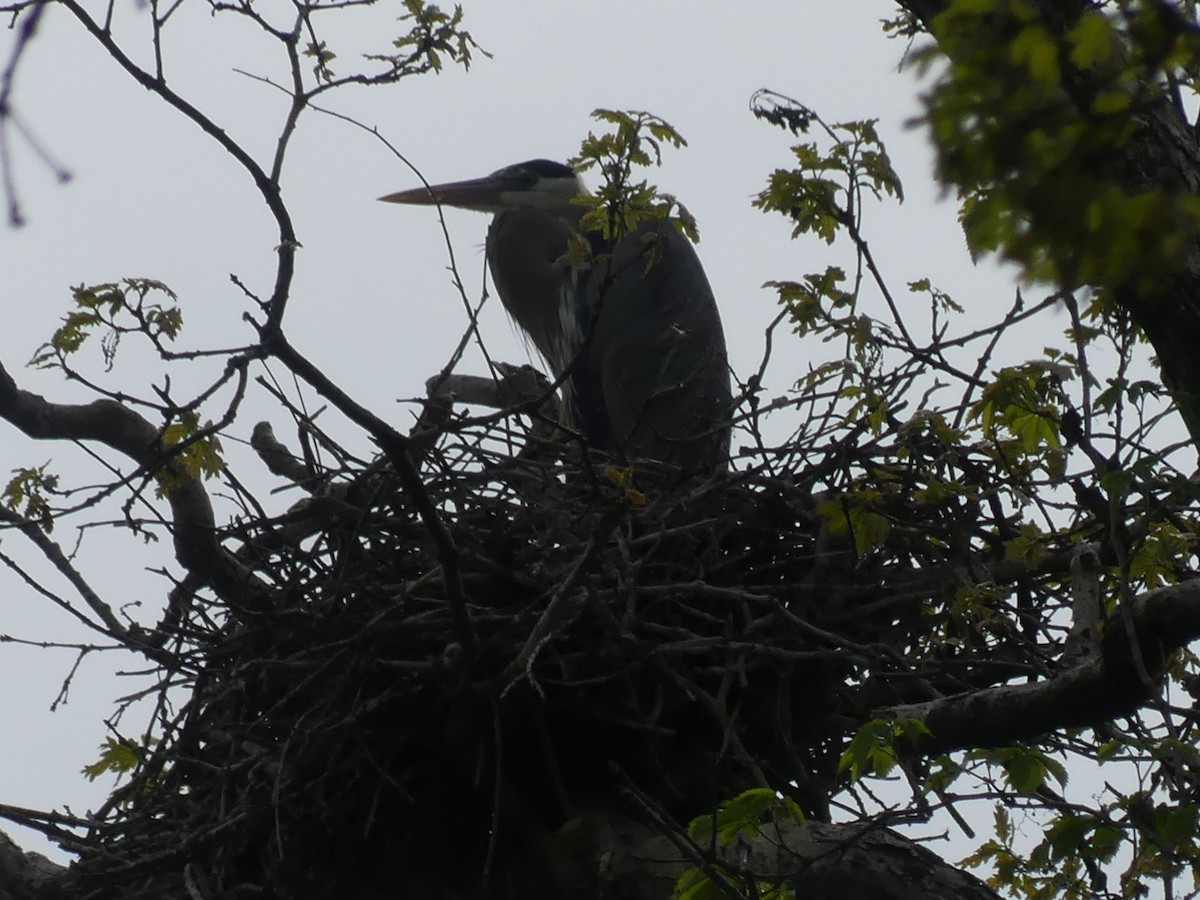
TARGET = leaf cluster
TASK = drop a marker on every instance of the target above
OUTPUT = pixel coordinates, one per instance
(113, 310)
(878, 746)
(194, 451)
(751, 813)
(1031, 122)
(28, 492)
(118, 756)
(634, 140)
(435, 36)
(1019, 444)
(824, 189)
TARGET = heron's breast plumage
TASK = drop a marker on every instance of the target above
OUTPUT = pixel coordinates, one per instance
(525, 253)
(548, 299)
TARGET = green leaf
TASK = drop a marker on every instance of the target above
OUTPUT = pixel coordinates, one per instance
(853, 516)
(1025, 768)
(196, 457)
(1093, 40)
(1026, 126)
(622, 202)
(112, 310)
(1026, 773)
(820, 193)
(1106, 841)
(873, 749)
(1117, 483)
(27, 493)
(1034, 429)
(1176, 825)
(433, 34)
(747, 813)
(117, 757)
(1067, 834)
(1158, 558)
(1034, 47)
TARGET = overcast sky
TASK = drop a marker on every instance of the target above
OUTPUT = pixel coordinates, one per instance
(372, 303)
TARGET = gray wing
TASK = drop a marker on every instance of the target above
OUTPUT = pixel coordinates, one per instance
(659, 351)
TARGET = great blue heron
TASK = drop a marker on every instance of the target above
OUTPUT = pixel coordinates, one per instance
(635, 330)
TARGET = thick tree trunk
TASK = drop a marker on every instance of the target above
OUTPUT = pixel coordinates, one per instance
(819, 862)
(611, 858)
(25, 876)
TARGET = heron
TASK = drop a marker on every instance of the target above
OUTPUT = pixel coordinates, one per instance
(633, 334)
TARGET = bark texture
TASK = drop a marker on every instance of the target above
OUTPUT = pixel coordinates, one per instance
(613, 857)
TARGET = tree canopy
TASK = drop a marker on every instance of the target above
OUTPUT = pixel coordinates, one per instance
(950, 571)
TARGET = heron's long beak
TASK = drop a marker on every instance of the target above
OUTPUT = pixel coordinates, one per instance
(474, 193)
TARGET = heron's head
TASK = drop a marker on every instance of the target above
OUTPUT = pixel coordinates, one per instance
(537, 184)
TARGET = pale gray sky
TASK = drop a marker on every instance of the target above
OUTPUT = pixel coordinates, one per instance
(372, 302)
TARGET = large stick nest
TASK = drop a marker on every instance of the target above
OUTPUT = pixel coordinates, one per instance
(396, 715)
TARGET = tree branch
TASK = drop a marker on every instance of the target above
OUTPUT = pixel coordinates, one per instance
(1162, 154)
(24, 875)
(120, 428)
(397, 448)
(625, 859)
(1105, 685)
(267, 186)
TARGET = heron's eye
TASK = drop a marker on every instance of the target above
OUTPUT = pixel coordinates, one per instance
(525, 180)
